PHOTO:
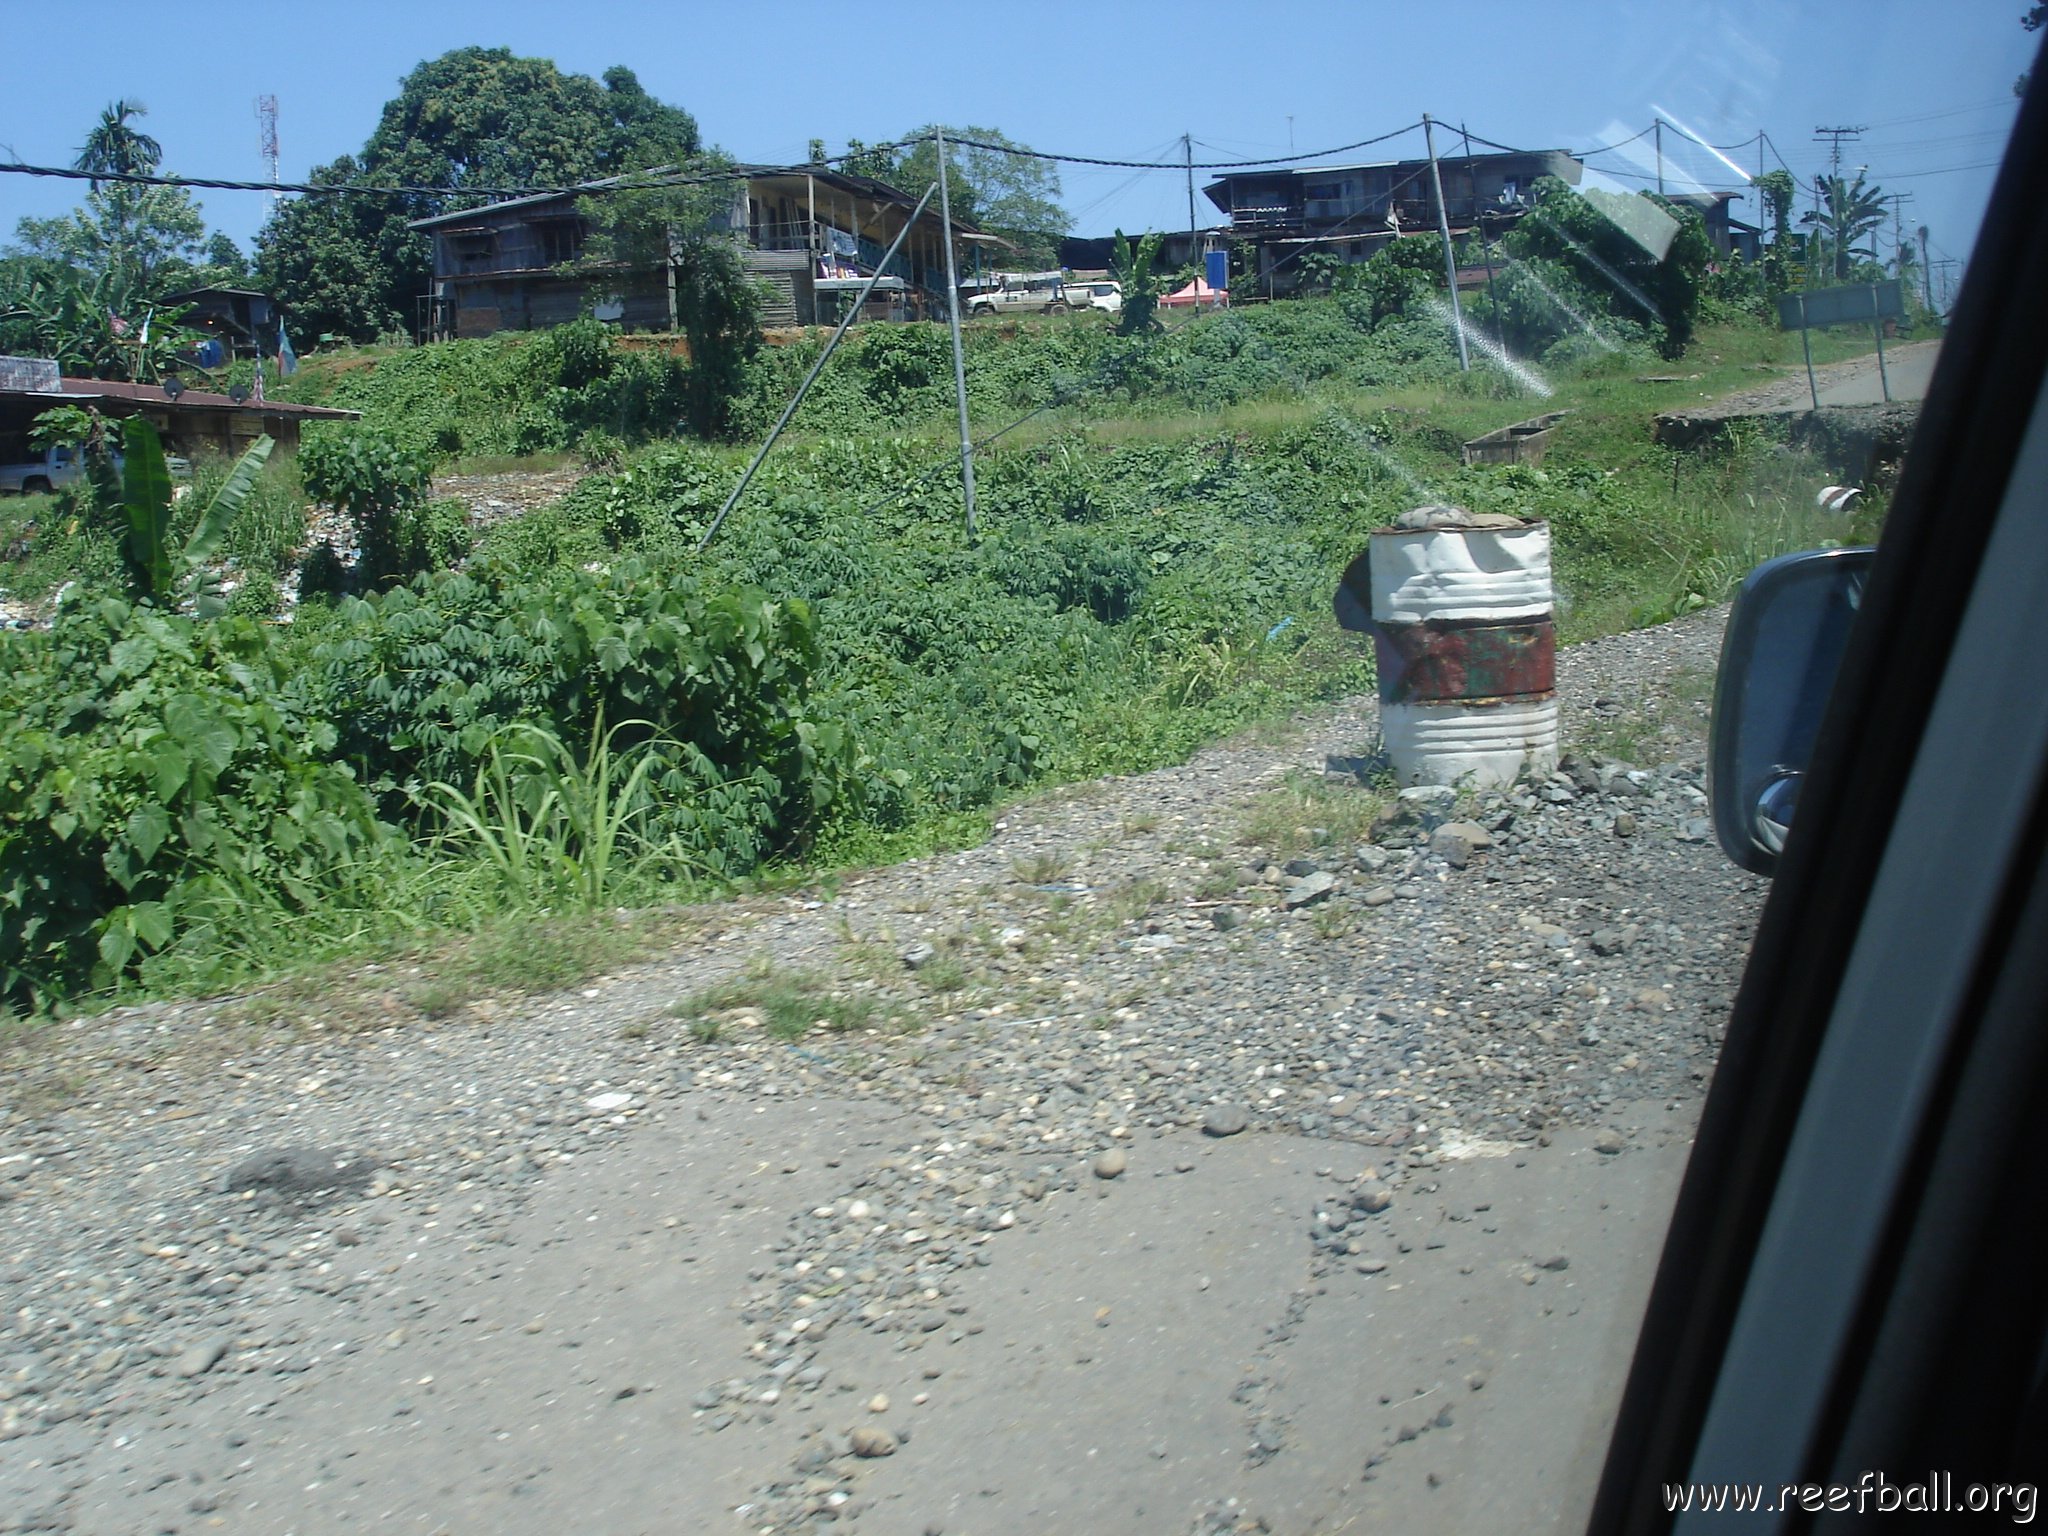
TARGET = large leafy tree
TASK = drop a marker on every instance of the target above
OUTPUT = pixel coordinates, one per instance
(154, 238)
(474, 118)
(324, 255)
(1003, 189)
(682, 231)
(1594, 261)
(145, 238)
(2033, 20)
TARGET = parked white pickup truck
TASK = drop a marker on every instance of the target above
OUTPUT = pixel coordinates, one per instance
(44, 471)
(42, 474)
(1018, 293)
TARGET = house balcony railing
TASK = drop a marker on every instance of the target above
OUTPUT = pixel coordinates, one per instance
(795, 235)
(1265, 216)
(827, 240)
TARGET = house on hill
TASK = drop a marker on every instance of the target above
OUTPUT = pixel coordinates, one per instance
(1726, 233)
(504, 266)
(243, 323)
(1350, 211)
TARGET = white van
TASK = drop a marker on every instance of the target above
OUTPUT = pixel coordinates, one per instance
(1096, 293)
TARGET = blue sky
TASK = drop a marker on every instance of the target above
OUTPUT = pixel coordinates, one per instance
(1930, 79)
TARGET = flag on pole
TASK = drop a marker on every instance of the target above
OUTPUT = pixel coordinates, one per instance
(287, 359)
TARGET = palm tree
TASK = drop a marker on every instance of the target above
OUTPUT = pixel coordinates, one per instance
(113, 147)
(1849, 211)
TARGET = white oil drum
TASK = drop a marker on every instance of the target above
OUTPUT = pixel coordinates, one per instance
(1459, 605)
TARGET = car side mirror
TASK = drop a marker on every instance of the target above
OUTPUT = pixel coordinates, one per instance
(1783, 647)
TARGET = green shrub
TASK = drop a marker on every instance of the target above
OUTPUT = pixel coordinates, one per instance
(380, 483)
(258, 597)
(422, 679)
(152, 778)
(511, 394)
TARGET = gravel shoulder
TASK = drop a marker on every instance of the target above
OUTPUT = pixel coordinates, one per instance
(1167, 1206)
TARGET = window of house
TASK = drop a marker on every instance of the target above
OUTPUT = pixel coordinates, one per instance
(1325, 191)
(560, 240)
(474, 249)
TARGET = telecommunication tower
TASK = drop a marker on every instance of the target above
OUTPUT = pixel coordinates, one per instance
(266, 119)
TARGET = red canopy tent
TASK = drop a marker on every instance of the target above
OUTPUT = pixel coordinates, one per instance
(1199, 293)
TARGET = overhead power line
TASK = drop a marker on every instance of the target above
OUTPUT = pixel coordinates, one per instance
(638, 181)
(1703, 144)
(1186, 165)
(1600, 149)
(1943, 170)
(647, 181)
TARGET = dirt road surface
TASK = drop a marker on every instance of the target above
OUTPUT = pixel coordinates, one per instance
(1193, 1202)
(1857, 381)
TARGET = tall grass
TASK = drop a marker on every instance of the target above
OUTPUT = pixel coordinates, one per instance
(547, 830)
(269, 530)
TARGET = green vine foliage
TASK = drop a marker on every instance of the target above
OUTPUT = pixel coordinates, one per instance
(153, 777)
(422, 680)
(517, 393)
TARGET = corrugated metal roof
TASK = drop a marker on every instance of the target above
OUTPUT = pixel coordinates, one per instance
(191, 399)
(846, 181)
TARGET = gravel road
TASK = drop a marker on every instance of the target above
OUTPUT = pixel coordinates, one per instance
(1907, 369)
(1194, 1190)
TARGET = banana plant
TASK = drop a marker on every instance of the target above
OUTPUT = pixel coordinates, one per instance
(156, 573)
(1134, 268)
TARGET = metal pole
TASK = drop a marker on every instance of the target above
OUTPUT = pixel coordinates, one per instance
(1658, 123)
(845, 320)
(1806, 341)
(1443, 224)
(1500, 337)
(953, 323)
(1187, 144)
(1877, 327)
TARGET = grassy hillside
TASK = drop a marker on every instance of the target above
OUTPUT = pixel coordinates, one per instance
(592, 714)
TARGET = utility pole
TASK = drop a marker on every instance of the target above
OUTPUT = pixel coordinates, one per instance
(1926, 273)
(1898, 200)
(1187, 144)
(1948, 282)
(1443, 224)
(1500, 338)
(1658, 124)
(953, 324)
(1834, 136)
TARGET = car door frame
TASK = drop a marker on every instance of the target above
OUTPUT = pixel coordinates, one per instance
(1788, 1341)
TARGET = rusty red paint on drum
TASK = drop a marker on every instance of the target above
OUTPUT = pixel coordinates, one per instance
(1454, 661)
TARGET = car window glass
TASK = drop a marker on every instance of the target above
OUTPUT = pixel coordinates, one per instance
(1123, 928)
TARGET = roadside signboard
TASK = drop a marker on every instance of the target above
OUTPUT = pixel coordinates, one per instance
(1855, 304)
(1875, 302)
